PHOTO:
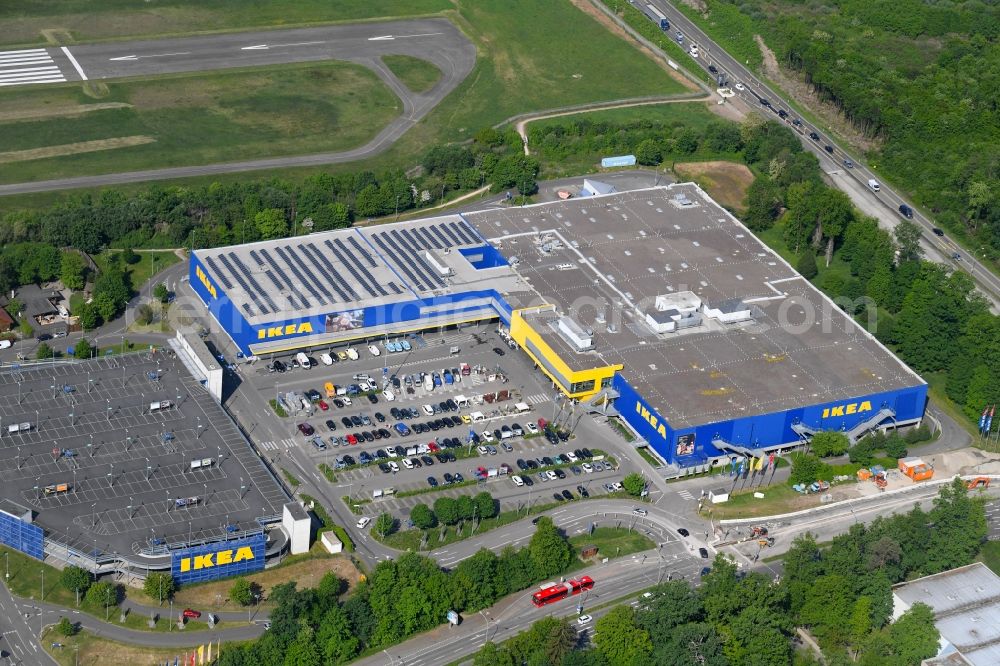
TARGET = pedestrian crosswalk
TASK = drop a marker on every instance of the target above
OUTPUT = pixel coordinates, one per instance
(275, 446)
(28, 66)
(686, 495)
(536, 399)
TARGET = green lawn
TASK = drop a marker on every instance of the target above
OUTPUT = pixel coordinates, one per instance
(110, 19)
(990, 555)
(612, 542)
(418, 74)
(200, 118)
(149, 264)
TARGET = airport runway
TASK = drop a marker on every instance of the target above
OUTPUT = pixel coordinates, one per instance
(435, 40)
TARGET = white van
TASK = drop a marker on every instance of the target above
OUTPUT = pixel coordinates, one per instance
(874, 185)
(303, 360)
(477, 417)
(326, 359)
(461, 401)
(428, 382)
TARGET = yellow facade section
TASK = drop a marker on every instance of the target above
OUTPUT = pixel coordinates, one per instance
(521, 332)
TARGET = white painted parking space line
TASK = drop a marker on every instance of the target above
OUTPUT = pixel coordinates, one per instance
(79, 70)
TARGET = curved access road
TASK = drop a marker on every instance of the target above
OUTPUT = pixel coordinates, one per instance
(435, 40)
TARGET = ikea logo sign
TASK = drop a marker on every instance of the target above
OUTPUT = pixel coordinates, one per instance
(846, 409)
(218, 559)
(205, 281)
(272, 332)
(651, 419)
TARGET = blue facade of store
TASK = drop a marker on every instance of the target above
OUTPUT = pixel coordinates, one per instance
(218, 560)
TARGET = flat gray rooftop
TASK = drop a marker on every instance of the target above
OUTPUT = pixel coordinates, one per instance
(101, 438)
(966, 605)
(604, 260)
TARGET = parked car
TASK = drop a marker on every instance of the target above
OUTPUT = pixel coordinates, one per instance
(191, 613)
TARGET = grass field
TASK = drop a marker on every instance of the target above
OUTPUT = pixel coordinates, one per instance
(149, 264)
(532, 56)
(109, 19)
(612, 542)
(201, 118)
(417, 74)
(990, 555)
(726, 182)
(86, 649)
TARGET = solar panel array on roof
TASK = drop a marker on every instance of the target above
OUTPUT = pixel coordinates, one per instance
(341, 252)
(243, 283)
(393, 251)
(341, 286)
(286, 255)
(407, 240)
(361, 251)
(253, 282)
(220, 276)
(281, 282)
(371, 283)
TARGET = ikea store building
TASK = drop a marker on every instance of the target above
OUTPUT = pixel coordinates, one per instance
(654, 305)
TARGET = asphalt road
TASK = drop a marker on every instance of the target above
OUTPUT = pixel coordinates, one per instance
(435, 40)
(755, 90)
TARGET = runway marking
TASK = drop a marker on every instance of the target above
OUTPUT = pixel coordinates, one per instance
(158, 55)
(79, 70)
(265, 47)
(28, 66)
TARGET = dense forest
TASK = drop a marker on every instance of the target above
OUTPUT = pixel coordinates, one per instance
(840, 592)
(920, 78)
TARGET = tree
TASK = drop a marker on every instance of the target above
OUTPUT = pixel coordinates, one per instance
(304, 651)
(860, 624)
(66, 628)
(895, 446)
(827, 609)
(130, 257)
(241, 591)
(692, 644)
(71, 272)
(648, 152)
(422, 516)
(829, 443)
(75, 579)
(806, 265)
(144, 314)
(102, 594)
(89, 317)
(271, 223)
(549, 549)
(15, 306)
(26, 330)
(159, 585)
(559, 641)
(335, 638)
(634, 484)
(914, 636)
(673, 603)
(486, 506)
(620, 639)
(83, 349)
(446, 509)
(105, 306)
(908, 237)
(43, 352)
(161, 293)
(385, 524)
(466, 507)
(807, 468)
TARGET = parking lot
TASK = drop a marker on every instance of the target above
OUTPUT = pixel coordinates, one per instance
(126, 454)
(491, 375)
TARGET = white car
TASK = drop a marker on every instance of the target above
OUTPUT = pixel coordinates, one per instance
(531, 428)
(552, 475)
(588, 468)
(326, 358)
(739, 86)
(407, 463)
(694, 51)
(374, 350)
(572, 456)
(393, 466)
(482, 450)
(388, 395)
(583, 620)
(428, 410)
(488, 436)
(363, 522)
(518, 481)
(346, 401)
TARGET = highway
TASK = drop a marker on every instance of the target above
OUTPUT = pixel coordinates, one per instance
(755, 90)
(435, 40)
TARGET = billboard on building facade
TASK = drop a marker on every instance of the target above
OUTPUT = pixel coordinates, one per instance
(218, 560)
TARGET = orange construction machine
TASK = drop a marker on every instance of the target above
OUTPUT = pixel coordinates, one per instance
(979, 482)
(916, 469)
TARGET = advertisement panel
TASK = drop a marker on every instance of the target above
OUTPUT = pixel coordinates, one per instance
(218, 560)
(22, 536)
(618, 161)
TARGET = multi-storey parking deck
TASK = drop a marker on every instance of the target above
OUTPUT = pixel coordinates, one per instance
(655, 304)
(125, 459)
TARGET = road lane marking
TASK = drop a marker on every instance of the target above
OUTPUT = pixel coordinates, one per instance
(79, 70)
